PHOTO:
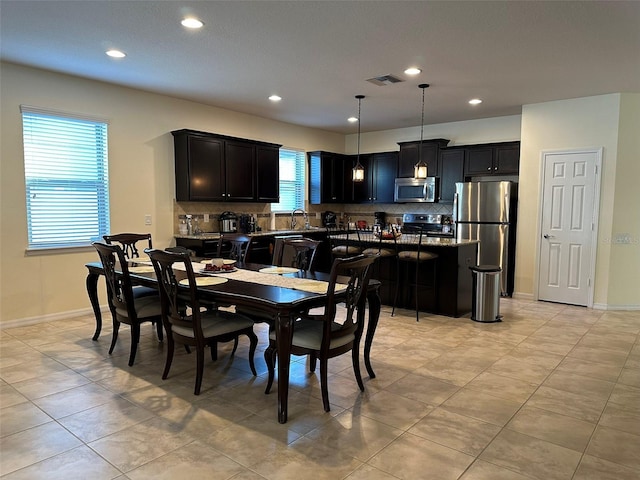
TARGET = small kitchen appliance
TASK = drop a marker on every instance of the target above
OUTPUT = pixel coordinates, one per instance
(411, 190)
(379, 219)
(329, 219)
(228, 222)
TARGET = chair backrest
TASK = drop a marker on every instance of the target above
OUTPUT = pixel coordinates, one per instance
(239, 244)
(372, 239)
(175, 296)
(342, 236)
(179, 249)
(357, 271)
(414, 234)
(304, 253)
(128, 242)
(119, 287)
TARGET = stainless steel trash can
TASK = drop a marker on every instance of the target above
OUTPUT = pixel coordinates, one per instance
(485, 306)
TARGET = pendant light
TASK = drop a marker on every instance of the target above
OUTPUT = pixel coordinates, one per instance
(420, 168)
(358, 170)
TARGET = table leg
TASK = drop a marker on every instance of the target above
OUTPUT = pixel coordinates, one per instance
(373, 298)
(92, 290)
(284, 334)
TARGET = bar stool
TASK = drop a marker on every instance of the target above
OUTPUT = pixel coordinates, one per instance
(341, 245)
(372, 242)
(417, 257)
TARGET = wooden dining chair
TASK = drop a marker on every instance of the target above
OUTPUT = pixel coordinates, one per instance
(129, 244)
(235, 246)
(125, 307)
(197, 329)
(304, 253)
(321, 336)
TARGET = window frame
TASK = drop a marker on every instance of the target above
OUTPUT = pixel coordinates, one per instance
(299, 182)
(66, 162)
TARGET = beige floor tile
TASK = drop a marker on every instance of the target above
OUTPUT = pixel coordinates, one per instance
(600, 355)
(481, 470)
(580, 384)
(79, 462)
(355, 435)
(555, 428)
(568, 403)
(192, 461)
(630, 376)
(49, 384)
(21, 417)
(28, 368)
(425, 389)
(367, 472)
(9, 396)
(616, 446)
(503, 387)
(461, 433)
(627, 397)
(482, 406)
(140, 444)
(411, 457)
(393, 410)
(531, 457)
(621, 418)
(594, 468)
(587, 368)
(74, 400)
(34, 445)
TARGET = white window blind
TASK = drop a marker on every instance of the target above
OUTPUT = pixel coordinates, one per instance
(291, 181)
(66, 175)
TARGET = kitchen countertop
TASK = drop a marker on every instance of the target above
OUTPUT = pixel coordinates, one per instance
(216, 235)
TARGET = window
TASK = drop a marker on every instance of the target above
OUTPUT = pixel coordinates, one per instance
(291, 181)
(66, 176)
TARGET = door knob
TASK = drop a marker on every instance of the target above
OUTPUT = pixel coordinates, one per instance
(546, 235)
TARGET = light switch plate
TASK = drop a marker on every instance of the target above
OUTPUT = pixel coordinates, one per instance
(206, 218)
(147, 219)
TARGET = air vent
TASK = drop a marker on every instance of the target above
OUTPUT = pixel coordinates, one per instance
(383, 80)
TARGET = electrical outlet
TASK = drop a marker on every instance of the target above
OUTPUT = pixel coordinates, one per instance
(147, 219)
(206, 218)
(318, 216)
(622, 238)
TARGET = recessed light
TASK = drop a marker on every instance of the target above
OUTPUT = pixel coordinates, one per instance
(352, 119)
(475, 101)
(413, 71)
(275, 98)
(191, 22)
(116, 53)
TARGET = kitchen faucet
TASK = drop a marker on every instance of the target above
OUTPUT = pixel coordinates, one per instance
(293, 218)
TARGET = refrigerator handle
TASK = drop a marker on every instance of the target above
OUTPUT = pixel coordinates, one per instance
(455, 207)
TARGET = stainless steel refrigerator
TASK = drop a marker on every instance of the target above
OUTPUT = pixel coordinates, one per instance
(486, 211)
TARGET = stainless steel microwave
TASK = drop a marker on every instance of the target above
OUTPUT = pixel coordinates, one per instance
(415, 190)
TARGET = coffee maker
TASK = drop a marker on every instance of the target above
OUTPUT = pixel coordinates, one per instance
(379, 219)
(228, 222)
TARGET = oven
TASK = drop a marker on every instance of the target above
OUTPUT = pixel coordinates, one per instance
(432, 224)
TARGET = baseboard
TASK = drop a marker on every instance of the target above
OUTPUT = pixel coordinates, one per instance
(523, 296)
(23, 322)
(605, 306)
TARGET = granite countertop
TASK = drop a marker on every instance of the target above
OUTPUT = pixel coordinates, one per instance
(216, 235)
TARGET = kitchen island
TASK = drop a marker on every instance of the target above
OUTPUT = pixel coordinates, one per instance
(453, 277)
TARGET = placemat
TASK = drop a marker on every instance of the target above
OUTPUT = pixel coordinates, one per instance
(141, 269)
(205, 281)
(278, 270)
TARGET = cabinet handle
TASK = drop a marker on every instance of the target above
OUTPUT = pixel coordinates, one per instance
(489, 168)
(495, 168)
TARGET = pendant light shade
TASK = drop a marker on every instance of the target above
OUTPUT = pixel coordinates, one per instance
(420, 168)
(358, 170)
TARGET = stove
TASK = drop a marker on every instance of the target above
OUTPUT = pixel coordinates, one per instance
(431, 223)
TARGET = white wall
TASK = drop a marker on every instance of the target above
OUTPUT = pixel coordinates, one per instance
(140, 169)
(572, 124)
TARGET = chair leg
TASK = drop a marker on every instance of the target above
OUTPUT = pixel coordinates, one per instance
(235, 346)
(214, 350)
(312, 362)
(135, 340)
(159, 330)
(253, 344)
(355, 360)
(395, 296)
(114, 336)
(170, 349)
(199, 368)
(270, 359)
(323, 384)
(416, 294)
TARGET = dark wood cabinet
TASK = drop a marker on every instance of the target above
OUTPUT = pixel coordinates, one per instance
(217, 168)
(380, 172)
(329, 178)
(410, 155)
(451, 171)
(492, 159)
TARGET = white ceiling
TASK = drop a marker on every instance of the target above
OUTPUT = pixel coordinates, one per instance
(317, 55)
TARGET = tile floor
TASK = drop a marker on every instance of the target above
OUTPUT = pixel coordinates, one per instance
(553, 392)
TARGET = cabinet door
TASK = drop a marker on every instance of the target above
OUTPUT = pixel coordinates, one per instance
(362, 192)
(206, 169)
(384, 175)
(268, 174)
(507, 159)
(240, 170)
(409, 156)
(479, 161)
(451, 171)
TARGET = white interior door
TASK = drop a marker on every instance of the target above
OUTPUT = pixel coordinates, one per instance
(568, 224)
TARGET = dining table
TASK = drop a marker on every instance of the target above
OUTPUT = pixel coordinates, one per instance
(281, 293)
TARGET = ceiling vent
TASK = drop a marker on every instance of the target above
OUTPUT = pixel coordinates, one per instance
(383, 80)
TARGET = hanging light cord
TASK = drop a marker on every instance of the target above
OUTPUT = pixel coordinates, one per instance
(360, 97)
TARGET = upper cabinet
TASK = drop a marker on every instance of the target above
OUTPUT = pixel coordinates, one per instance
(218, 168)
(329, 178)
(410, 155)
(492, 159)
(380, 173)
(451, 171)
